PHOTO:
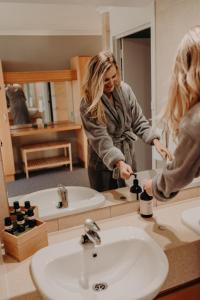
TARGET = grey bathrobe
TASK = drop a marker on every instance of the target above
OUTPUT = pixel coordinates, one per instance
(16, 100)
(115, 141)
(186, 164)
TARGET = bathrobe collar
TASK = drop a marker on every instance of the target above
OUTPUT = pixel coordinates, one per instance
(116, 111)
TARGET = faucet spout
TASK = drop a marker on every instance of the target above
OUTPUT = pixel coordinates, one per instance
(63, 195)
(91, 235)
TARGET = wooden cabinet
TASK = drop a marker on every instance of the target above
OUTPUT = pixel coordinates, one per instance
(191, 292)
(5, 137)
(4, 211)
(79, 63)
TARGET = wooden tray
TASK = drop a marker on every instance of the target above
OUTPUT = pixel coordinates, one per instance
(27, 243)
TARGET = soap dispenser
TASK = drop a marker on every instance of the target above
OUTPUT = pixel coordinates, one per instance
(146, 205)
(135, 188)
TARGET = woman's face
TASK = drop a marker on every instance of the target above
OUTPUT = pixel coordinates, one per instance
(110, 79)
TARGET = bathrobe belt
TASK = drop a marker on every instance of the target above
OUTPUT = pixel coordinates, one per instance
(125, 143)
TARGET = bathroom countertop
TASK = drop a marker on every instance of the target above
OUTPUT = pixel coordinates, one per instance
(181, 245)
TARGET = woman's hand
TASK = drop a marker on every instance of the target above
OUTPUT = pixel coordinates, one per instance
(125, 170)
(148, 187)
(162, 150)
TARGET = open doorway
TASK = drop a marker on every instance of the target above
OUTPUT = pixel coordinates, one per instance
(133, 54)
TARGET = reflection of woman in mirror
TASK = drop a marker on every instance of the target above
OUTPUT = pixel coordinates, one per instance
(16, 101)
(182, 115)
(112, 118)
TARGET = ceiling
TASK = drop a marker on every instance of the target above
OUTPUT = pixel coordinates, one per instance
(58, 17)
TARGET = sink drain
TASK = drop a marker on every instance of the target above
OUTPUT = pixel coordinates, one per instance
(98, 287)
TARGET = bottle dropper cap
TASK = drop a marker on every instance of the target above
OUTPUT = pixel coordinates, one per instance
(145, 196)
(135, 188)
(27, 204)
(16, 204)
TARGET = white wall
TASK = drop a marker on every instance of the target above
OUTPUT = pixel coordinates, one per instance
(125, 19)
(173, 19)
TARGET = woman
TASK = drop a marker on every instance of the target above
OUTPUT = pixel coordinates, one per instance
(112, 119)
(16, 101)
(182, 114)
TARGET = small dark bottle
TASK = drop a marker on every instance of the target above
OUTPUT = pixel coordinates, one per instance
(8, 225)
(27, 205)
(135, 188)
(146, 205)
(31, 221)
(20, 222)
(16, 207)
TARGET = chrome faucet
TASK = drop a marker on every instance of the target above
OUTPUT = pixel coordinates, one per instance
(91, 235)
(63, 194)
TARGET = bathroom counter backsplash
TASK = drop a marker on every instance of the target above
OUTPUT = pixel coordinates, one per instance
(165, 227)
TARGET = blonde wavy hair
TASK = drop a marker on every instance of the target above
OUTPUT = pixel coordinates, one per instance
(93, 85)
(184, 90)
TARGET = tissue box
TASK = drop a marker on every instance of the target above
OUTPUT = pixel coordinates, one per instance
(26, 243)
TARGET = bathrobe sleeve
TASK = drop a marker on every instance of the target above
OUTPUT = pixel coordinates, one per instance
(140, 125)
(99, 139)
(186, 164)
(181, 171)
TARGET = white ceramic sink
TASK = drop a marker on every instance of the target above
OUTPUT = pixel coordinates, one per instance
(79, 198)
(191, 218)
(128, 262)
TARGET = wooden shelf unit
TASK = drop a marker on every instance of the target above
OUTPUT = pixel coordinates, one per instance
(40, 163)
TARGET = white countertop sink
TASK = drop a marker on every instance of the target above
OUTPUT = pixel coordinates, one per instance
(128, 265)
(80, 199)
(191, 218)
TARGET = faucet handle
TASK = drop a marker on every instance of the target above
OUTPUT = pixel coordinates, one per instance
(91, 225)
